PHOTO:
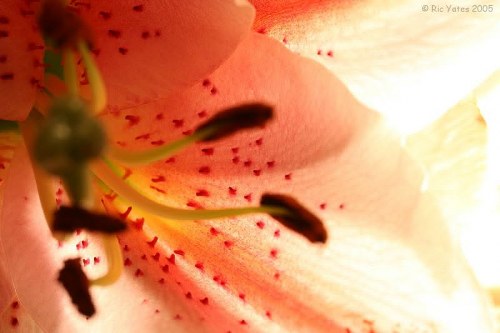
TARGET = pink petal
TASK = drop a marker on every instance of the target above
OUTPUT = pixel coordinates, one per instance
(147, 50)
(30, 258)
(21, 64)
(407, 63)
(389, 264)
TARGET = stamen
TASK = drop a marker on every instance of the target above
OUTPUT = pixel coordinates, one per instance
(70, 77)
(69, 219)
(42, 179)
(76, 284)
(221, 125)
(96, 82)
(235, 119)
(120, 187)
(115, 262)
(61, 26)
(152, 155)
(297, 217)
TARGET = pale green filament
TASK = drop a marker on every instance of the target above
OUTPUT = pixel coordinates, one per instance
(70, 73)
(96, 82)
(131, 158)
(115, 262)
(120, 187)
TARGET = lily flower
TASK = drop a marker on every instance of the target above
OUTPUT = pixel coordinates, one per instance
(389, 264)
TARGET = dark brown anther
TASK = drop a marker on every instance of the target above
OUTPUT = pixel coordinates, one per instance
(76, 284)
(62, 26)
(235, 119)
(298, 219)
(69, 219)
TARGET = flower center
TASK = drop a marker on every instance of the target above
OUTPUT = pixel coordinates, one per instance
(66, 141)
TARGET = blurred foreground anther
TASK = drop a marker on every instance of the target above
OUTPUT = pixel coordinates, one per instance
(76, 284)
(61, 26)
(69, 219)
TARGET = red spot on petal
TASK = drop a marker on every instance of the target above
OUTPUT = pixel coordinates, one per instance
(171, 259)
(138, 272)
(145, 136)
(179, 252)
(170, 160)
(158, 179)
(126, 248)
(243, 322)
(157, 189)
(205, 170)
(213, 91)
(277, 233)
(261, 30)
(145, 35)
(276, 276)
(105, 15)
(86, 262)
(206, 82)
(161, 281)
(138, 8)
(208, 151)
(341, 206)
(322, 205)
(157, 142)
(156, 257)
(202, 114)
(241, 296)
(247, 163)
(271, 164)
(189, 295)
(165, 268)
(257, 172)
(288, 176)
(14, 321)
(3, 59)
(259, 141)
(115, 33)
(97, 260)
(152, 242)
(15, 305)
(248, 197)
(188, 132)
(236, 160)
(178, 123)
(228, 243)
(214, 231)
(200, 266)
(319, 52)
(123, 50)
(204, 301)
(260, 224)
(85, 243)
(4, 20)
(194, 204)
(268, 314)
(133, 120)
(202, 193)
(159, 116)
(4, 33)
(125, 214)
(138, 223)
(330, 53)
(143, 257)
(273, 253)
(7, 76)
(232, 190)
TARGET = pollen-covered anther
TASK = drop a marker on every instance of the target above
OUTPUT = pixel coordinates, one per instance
(234, 119)
(296, 218)
(68, 219)
(61, 26)
(76, 284)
